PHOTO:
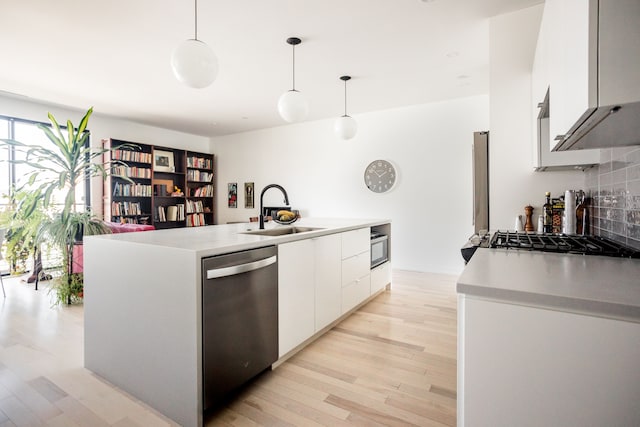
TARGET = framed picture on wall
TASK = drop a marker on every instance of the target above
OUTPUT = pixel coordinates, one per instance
(232, 196)
(163, 161)
(248, 195)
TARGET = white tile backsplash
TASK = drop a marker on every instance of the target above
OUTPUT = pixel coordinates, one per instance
(614, 189)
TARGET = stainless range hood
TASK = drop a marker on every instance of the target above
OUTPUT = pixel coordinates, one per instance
(606, 126)
(613, 116)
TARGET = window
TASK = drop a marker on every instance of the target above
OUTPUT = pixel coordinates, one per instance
(13, 175)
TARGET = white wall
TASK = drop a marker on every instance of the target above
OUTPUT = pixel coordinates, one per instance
(430, 145)
(102, 127)
(513, 183)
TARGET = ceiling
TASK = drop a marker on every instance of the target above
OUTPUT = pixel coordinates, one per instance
(114, 55)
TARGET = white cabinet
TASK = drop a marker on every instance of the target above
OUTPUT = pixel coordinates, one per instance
(380, 277)
(555, 102)
(356, 264)
(320, 279)
(590, 48)
(572, 54)
(327, 278)
(296, 294)
(547, 367)
(309, 288)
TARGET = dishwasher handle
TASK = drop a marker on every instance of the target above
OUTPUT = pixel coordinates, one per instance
(241, 268)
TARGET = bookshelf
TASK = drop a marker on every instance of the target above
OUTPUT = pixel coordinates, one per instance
(199, 189)
(149, 195)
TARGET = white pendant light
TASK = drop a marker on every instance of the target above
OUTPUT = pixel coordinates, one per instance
(194, 62)
(292, 105)
(346, 126)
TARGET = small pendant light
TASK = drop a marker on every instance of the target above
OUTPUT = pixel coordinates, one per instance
(194, 62)
(292, 105)
(346, 126)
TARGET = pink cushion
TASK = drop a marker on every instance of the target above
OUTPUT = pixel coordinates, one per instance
(128, 228)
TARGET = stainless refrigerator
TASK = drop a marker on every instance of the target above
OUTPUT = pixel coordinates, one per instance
(480, 173)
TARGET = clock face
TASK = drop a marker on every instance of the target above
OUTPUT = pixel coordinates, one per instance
(380, 176)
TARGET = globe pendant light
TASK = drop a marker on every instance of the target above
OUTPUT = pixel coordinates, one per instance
(346, 126)
(292, 105)
(194, 62)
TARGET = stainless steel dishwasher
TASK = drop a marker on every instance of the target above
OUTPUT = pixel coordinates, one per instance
(239, 319)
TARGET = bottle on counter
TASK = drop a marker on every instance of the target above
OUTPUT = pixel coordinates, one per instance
(547, 212)
(581, 213)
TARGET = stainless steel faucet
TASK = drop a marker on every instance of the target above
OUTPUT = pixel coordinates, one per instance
(286, 200)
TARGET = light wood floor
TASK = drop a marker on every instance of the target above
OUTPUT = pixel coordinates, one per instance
(391, 363)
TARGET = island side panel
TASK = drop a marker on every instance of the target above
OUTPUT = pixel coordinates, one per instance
(143, 323)
(546, 367)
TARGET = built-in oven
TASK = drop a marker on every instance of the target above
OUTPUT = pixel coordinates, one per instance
(379, 248)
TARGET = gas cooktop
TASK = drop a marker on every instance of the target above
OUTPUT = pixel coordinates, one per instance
(561, 243)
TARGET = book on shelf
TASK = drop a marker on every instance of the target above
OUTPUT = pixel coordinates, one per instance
(131, 171)
(204, 191)
(131, 156)
(125, 208)
(131, 190)
(199, 162)
(195, 220)
(161, 215)
(194, 206)
(171, 213)
(200, 176)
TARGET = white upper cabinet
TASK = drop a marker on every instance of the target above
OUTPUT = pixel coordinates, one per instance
(556, 103)
(593, 49)
(573, 63)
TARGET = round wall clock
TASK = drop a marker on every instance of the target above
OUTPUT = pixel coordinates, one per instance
(380, 176)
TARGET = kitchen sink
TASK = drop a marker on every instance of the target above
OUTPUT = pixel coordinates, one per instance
(281, 231)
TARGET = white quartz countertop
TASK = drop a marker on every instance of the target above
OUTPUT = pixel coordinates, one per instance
(594, 285)
(218, 239)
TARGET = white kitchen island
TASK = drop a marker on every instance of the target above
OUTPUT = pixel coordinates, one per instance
(548, 339)
(143, 301)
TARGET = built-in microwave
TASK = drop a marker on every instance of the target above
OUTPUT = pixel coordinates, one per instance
(379, 249)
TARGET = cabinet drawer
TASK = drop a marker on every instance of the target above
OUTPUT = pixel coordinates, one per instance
(354, 293)
(355, 267)
(380, 277)
(355, 242)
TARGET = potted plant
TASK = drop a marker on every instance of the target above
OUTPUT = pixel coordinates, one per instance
(67, 234)
(21, 239)
(60, 167)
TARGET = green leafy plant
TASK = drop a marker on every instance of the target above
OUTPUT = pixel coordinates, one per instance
(61, 166)
(68, 288)
(58, 168)
(21, 239)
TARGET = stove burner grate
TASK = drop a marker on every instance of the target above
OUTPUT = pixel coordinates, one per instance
(561, 243)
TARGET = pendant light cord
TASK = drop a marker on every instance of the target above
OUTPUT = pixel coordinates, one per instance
(196, 19)
(294, 66)
(345, 98)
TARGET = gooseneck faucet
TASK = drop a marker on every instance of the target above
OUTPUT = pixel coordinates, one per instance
(286, 200)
